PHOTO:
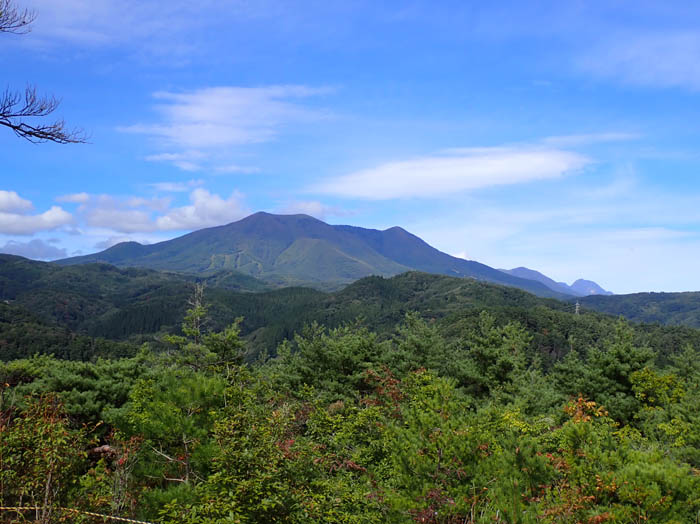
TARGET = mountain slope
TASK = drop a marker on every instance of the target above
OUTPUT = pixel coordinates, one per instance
(531, 274)
(89, 297)
(675, 309)
(62, 309)
(587, 288)
(299, 249)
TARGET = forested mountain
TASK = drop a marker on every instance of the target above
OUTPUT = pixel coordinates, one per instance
(103, 300)
(580, 288)
(414, 398)
(675, 309)
(91, 305)
(459, 418)
(301, 250)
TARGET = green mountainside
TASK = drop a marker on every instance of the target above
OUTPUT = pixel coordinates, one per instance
(413, 398)
(674, 309)
(102, 300)
(449, 398)
(301, 250)
(93, 304)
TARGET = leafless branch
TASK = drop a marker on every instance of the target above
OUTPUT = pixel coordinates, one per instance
(15, 109)
(13, 19)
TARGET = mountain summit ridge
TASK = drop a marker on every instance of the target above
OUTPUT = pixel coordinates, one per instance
(580, 288)
(300, 249)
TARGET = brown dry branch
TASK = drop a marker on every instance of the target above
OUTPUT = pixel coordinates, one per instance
(15, 109)
(13, 19)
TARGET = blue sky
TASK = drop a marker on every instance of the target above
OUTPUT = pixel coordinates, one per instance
(561, 136)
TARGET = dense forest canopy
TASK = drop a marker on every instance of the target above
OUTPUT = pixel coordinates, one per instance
(419, 398)
(184, 359)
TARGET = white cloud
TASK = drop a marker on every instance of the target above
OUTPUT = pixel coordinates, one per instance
(16, 224)
(114, 22)
(125, 215)
(91, 202)
(74, 198)
(15, 220)
(155, 203)
(653, 60)
(624, 260)
(454, 171)
(176, 187)
(235, 168)
(206, 210)
(11, 202)
(625, 236)
(186, 161)
(313, 208)
(35, 249)
(226, 116)
(133, 214)
(588, 138)
(122, 220)
(199, 123)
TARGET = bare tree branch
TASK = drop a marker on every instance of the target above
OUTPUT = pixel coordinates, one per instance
(14, 20)
(15, 109)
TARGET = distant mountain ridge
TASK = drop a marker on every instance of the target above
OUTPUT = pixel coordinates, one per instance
(302, 250)
(580, 288)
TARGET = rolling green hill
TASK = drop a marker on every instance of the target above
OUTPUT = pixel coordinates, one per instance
(301, 250)
(75, 311)
(674, 309)
(103, 300)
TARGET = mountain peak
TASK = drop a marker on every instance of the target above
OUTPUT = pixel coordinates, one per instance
(588, 287)
(300, 249)
(580, 288)
(265, 216)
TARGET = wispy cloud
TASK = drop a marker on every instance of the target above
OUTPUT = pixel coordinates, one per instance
(588, 138)
(313, 208)
(670, 59)
(176, 187)
(145, 23)
(647, 240)
(74, 198)
(186, 161)
(235, 168)
(454, 171)
(196, 124)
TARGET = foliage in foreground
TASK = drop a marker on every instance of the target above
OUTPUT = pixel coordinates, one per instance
(345, 426)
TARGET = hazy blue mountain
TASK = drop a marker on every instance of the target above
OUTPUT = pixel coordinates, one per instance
(531, 274)
(580, 288)
(299, 249)
(588, 287)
